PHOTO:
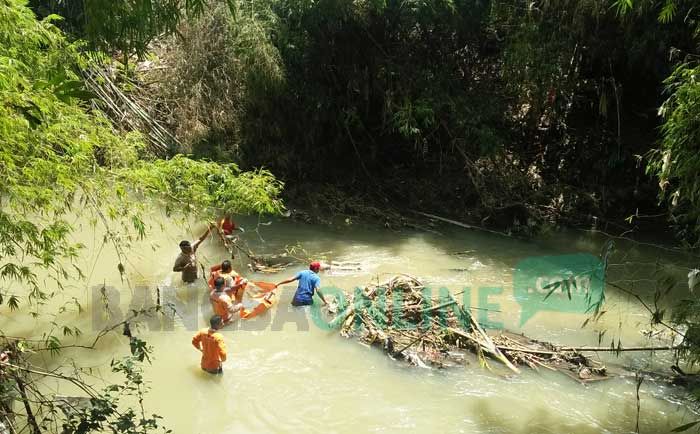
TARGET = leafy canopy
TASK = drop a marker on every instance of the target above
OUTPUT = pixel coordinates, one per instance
(59, 158)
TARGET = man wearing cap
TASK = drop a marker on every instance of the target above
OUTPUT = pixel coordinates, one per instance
(309, 282)
(186, 261)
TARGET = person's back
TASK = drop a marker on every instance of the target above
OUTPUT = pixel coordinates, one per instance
(222, 304)
(234, 284)
(308, 282)
(211, 344)
(228, 226)
(225, 271)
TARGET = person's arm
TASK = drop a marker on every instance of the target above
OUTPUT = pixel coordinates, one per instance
(222, 350)
(323, 299)
(179, 264)
(232, 308)
(202, 238)
(284, 282)
(239, 284)
(196, 340)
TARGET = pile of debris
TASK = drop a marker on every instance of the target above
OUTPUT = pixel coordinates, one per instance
(399, 317)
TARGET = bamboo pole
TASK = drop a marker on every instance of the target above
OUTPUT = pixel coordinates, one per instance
(623, 349)
(487, 344)
(460, 224)
(588, 349)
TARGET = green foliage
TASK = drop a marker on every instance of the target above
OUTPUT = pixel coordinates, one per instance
(203, 187)
(128, 26)
(677, 162)
(106, 412)
(125, 27)
(59, 159)
(210, 84)
(538, 100)
(365, 83)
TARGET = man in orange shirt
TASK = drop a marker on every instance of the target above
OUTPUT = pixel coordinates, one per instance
(212, 346)
(234, 284)
(222, 303)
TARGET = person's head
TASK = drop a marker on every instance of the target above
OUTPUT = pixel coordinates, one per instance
(315, 266)
(219, 284)
(216, 322)
(185, 246)
(226, 266)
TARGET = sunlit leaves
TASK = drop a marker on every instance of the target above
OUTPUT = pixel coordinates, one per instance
(677, 163)
(668, 11)
(60, 159)
(623, 6)
(128, 26)
(202, 187)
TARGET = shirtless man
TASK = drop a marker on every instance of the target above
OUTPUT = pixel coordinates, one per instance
(186, 261)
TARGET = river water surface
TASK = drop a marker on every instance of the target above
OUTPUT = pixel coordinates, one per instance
(285, 374)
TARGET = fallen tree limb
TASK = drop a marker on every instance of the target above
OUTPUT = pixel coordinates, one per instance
(589, 349)
(622, 349)
(460, 224)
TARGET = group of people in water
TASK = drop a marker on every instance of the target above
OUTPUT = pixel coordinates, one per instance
(226, 289)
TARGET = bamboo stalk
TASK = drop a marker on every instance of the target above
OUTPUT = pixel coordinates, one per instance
(487, 345)
(460, 224)
(623, 349)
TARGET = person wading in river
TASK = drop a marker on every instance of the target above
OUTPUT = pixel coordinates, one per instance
(212, 346)
(309, 282)
(186, 261)
(222, 303)
(227, 226)
(234, 284)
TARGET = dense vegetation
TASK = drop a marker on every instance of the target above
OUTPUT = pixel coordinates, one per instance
(59, 159)
(508, 111)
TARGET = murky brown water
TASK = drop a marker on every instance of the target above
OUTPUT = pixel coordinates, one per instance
(285, 374)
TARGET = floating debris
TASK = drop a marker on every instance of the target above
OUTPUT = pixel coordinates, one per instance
(408, 324)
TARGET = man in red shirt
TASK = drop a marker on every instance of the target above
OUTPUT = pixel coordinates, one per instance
(228, 226)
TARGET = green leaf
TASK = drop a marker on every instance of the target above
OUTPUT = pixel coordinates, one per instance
(13, 302)
(554, 286)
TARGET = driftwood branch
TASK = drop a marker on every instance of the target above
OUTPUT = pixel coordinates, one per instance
(460, 224)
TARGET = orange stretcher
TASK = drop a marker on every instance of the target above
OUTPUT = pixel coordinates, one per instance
(261, 307)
